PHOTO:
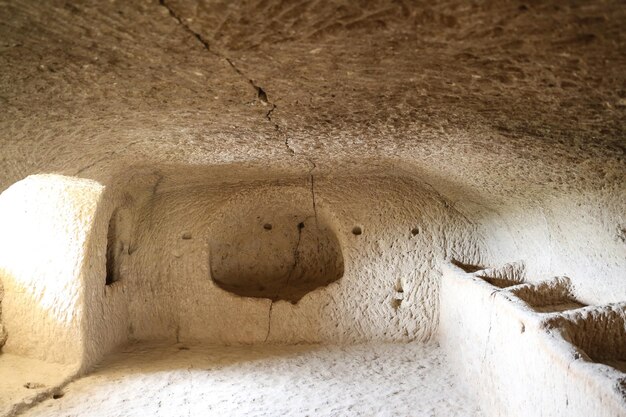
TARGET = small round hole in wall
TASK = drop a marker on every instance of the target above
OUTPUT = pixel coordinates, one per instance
(267, 226)
(57, 395)
(415, 231)
(356, 230)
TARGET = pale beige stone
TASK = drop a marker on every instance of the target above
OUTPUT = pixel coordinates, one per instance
(184, 173)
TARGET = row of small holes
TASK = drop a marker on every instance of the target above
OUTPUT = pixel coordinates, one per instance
(356, 230)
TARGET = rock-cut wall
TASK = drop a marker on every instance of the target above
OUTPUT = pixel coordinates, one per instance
(305, 259)
(360, 255)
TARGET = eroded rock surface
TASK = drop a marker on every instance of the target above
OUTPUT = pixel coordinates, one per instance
(372, 139)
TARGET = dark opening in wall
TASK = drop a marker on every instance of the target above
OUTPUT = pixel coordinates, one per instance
(112, 271)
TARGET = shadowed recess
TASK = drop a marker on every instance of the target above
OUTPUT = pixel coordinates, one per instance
(284, 261)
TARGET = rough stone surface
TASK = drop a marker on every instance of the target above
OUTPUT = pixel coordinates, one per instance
(44, 264)
(277, 247)
(168, 286)
(489, 132)
(561, 359)
(25, 382)
(166, 380)
(513, 111)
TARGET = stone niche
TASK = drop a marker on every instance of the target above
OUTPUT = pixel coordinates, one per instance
(276, 251)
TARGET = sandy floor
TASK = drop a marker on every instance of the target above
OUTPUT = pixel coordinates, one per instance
(178, 380)
(24, 381)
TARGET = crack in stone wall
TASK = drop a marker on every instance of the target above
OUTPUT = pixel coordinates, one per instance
(312, 179)
(269, 321)
(296, 253)
(296, 256)
(261, 94)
